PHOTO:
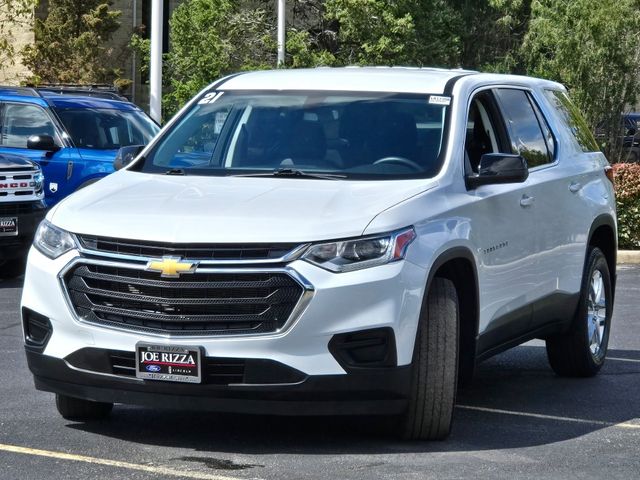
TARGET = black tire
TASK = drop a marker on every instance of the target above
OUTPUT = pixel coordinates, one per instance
(570, 354)
(13, 268)
(435, 366)
(76, 409)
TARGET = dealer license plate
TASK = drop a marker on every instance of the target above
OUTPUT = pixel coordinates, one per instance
(168, 363)
(9, 226)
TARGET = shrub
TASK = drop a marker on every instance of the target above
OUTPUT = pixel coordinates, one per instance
(627, 177)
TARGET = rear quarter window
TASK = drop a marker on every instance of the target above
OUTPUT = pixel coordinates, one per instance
(572, 119)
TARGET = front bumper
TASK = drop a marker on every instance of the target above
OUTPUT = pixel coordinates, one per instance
(385, 297)
(367, 392)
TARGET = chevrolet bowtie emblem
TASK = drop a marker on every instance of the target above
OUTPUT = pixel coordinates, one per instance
(171, 267)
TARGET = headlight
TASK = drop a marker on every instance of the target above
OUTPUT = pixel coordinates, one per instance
(358, 253)
(38, 181)
(52, 241)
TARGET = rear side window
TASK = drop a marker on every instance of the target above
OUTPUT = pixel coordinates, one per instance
(573, 120)
(525, 131)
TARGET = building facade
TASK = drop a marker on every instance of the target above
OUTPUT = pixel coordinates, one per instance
(135, 17)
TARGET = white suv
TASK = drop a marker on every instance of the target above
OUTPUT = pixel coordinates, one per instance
(329, 241)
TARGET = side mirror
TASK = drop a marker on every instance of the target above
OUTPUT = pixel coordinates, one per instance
(631, 132)
(126, 155)
(42, 142)
(499, 168)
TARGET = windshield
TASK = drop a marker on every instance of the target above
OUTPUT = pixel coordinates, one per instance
(107, 129)
(347, 135)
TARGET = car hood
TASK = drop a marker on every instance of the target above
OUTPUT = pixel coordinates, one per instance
(192, 209)
(11, 162)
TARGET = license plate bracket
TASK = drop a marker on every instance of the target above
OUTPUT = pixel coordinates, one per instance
(169, 363)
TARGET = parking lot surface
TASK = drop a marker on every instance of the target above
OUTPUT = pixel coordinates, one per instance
(516, 420)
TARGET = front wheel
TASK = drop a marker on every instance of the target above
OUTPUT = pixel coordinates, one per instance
(435, 366)
(581, 351)
(72, 408)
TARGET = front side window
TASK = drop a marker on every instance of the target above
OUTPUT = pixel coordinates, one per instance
(525, 131)
(20, 121)
(349, 135)
(107, 129)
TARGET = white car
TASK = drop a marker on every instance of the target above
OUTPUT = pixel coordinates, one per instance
(329, 241)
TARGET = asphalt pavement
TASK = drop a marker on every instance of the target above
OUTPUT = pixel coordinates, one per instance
(517, 420)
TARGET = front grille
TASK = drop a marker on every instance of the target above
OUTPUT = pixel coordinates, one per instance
(15, 169)
(194, 304)
(18, 208)
(122, 363)
(19, 184)
(251, 251)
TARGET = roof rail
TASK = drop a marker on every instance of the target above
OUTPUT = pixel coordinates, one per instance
(20, 91)
(91, 90)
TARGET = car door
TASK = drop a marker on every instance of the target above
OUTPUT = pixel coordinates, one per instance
(573, 182)
(503, 231)
(19, 121)
(549, 188)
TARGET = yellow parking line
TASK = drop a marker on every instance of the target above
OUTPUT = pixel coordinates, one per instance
(551, 417)
(113, 463)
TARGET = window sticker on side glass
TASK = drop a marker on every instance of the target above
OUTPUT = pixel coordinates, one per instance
(439, 100)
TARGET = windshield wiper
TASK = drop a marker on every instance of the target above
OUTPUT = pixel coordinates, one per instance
(175, 171)
(293, 172)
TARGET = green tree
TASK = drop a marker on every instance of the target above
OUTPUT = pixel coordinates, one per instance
(481, 34)
(438, 38)
(211, 38)
(71, 43)
(591, 47)
(491, 33)
(372, 32)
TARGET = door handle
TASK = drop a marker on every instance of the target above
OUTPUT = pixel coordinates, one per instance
(526, 201)
(69, 170)
(575, 187)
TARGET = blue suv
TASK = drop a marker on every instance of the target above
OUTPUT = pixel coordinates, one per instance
(73, 135)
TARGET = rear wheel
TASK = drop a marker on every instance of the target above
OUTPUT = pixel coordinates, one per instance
(581, 351)
(435, 365)
(77, 409)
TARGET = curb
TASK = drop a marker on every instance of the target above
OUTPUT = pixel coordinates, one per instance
(629, 256)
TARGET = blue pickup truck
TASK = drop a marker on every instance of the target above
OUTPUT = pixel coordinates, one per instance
(73, 135)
